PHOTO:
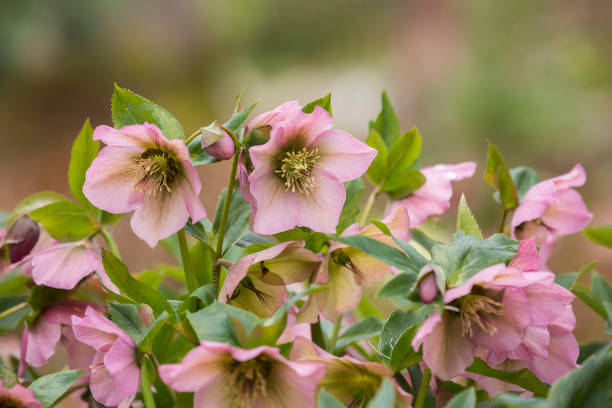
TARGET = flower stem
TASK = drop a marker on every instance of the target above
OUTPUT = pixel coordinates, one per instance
(108, 237)
(368, 206)
(420, 401)
(193, 136)
(145, 382)
(331, 347)
(190, 278)
(502, 221)
(13, 309)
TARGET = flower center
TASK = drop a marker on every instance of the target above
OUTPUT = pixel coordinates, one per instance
(9, 402)
(247, 381)
(155, 171)
(477, 309)
(295, 170)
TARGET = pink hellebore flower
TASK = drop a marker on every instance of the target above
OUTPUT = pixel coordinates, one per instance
(257, 281)
(433, 197)
(352, 382)
(18, 396)
(495, 310)
(347, 269)
(115, 376)
(40, 341)
(223, 376)
(552, 208)
(140, 170)
(298, 173)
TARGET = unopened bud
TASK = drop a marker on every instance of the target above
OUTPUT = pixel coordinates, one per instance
(20, 238)
(216, 142)
(431, 282)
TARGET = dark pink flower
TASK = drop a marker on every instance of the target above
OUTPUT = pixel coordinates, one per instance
(115, 376)
(216, 142)
(18, 396)
(223, 376)
(297, 175)
(433, 198)
(140, 170)
(552, 208)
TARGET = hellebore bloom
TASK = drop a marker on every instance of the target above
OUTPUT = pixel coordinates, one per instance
(431, 278)
(433, 197)
(352, 382)
(140, 170)
(552, 208)
(20, 238)
(216, 142)
(223, 376)
(298, 173)
(257, 281)
(493, 310)
(115, 376)
(39, 341)
(18, 396)
(347, 269)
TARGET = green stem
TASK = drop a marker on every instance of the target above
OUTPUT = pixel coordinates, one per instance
(368, 206)
(190, 278)
(193, 136)
(145, 382)
(111, 242)
(13, 309)
(317, 334)
(334, 337)
(420, 401)
(502, 221)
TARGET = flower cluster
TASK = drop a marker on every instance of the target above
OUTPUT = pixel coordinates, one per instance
(283, 314)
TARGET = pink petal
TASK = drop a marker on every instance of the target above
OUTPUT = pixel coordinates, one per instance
(320, 210)
(535, 344)
(102, 386)
(120, 361)
(564, 324)
(62, 266)
(306, 126)
(547, 302)
(265, 155)
(200, 366)
(576, 177)
(41, 342)
(534, 203)
(222, 149)
(562, 355)
(97, 331)
(569, 215)
(273, 117)
(485, 276)
(190, 189)
(134, 136)
(108, 184)
(343, 155)
(527, 258)
(21, 395)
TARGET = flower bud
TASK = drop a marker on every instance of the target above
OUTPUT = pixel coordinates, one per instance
(430, 282)
(216, 142)
(20, 238)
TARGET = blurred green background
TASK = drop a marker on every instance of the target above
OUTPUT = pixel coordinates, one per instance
(533, 77)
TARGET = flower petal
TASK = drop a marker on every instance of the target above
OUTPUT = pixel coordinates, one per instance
(569, 215)
(61, 266)
(320, 210)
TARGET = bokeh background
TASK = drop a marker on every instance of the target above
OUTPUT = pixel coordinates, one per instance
(533, 77)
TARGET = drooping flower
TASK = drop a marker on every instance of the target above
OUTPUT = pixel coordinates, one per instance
(140, 170)
(223, 376)
(115, 376)
(552, 208)
(297, 175)
(216, 142)
(40, 340)
(257, 281)
(352, 382)
(19, 239)
(17, 397)
(348, 269)
(493, 310)
(433, 197)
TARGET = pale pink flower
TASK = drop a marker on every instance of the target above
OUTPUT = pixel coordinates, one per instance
(18, 396)
(223, 376)
(140, 170)
(257, 281)
(433, 197)
(352, 382)
(293, 329)
(115, 376)
(552, 208)
(297, 175)
(495, 309)
(348, 269)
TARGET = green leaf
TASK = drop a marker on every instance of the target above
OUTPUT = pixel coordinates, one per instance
(466, 221)
(324, 102)
(107, 218)
(422, 239)
(385, 397)
(600, 235)
(588, 386)
(513, 400)
(239, 118)
(568, 280)
(129, 108)
(326, 400)
(403, 354)
(65, 221)
(380, 251)
(34, 202)
(590, 298)
(128, 319)
(593, 349)
(398, 323)
(350, 210)
(147, 335)
(363, 329)
(524, 178)
(213, 323)
(604, 291)
(523, 378)
(237, 218)
(137, 291)
(84, 151)
(386, 124)
(399, 285)
(316, 241)
(402, 182)
(405, 150)
(498, 176)
(12, 320)
(7, 377)
(49, 388)
(198, 155)
(377, 172)
(467, 255)
(13, 283)
(465, 399)
(198, 299)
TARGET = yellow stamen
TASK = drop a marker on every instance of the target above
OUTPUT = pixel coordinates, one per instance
(296, 170)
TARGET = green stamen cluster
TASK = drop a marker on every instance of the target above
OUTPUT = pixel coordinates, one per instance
(296, 170)
(475, 309)
(155, 171)
(248, 380)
